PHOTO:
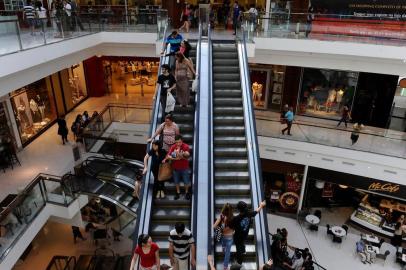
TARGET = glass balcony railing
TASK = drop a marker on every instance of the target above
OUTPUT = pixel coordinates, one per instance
(384, 30)
(97, 129)
(19, 214)
(17, 34)
(378, 141)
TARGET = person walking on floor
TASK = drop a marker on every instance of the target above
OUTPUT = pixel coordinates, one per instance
(181, 245)
(289, 120)
(236, 16)
(148, 253)
(241, 224)
(355, 133)
(225, 221)
(183, 65)
(179, 155)
(157, 155)
(29, 16)
(77, 234)
(168, 83)
(62, 129)
(345, 116)
(168, 130)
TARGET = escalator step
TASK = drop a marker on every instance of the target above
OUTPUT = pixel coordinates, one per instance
(229, 140)
(227, 93)
(230, 163)
(230, 151)
(235, 85)
(228, 120)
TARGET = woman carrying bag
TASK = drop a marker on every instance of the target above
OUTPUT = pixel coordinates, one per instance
(224, 232)
(157, 155)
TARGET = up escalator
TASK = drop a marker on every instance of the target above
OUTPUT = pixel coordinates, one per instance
(234, 174)
(90, 262)
(166, 212)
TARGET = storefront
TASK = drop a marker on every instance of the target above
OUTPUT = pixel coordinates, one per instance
(282, 185)
(37, 106)
(134, 76)
(375, 205)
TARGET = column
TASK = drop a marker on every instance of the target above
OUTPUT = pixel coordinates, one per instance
(265, 22)
(302, 190)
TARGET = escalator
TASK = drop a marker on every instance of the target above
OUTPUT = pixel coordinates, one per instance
(90, 262)
(234, 159)
(166, 212)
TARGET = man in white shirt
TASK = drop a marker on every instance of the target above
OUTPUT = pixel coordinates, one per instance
(253, 15)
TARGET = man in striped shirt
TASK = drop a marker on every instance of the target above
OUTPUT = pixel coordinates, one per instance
(29, 15)
(181, 242)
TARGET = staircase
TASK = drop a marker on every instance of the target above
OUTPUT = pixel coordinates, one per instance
(231, 175)
(166, 212)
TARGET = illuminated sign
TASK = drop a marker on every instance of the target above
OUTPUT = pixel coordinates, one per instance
(387, 187)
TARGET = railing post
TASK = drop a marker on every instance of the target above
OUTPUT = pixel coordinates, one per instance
(20, 44)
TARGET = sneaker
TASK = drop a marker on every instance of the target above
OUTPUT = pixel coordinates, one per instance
(162, 194)
(187, 196)
(177, 196)
(158, 194)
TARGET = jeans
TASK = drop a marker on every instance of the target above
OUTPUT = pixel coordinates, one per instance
(181, 176)
(288, 127)
(226, 243)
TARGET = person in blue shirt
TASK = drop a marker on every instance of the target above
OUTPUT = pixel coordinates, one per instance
(175, 39)
(364, 255)
(289, 120)
(236, 16)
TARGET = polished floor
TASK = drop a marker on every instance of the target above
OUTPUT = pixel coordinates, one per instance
(329, 255)
(57, 239)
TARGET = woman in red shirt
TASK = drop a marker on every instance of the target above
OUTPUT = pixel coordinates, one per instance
(148, 252)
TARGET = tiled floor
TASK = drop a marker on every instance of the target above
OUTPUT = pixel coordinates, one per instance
(326, 253)
(56, 239)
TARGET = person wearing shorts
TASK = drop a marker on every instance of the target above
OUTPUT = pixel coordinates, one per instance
(179, 155)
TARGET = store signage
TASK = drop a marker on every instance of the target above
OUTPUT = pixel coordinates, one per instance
(388, 187)
(384, 8)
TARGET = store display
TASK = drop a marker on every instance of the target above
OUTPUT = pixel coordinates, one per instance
(33, 109)
(257, 92)
(325, 92)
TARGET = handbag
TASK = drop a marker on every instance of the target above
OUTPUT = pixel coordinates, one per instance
(218, 231)
(164, 172)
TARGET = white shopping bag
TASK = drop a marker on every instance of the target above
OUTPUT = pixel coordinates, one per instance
(170, 103)
(194, 85)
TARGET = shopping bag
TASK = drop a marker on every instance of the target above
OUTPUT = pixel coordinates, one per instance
(194, 85)
(170, 103)
(164, 172)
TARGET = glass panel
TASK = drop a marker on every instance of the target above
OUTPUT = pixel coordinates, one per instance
(57, 192)
(34, 108)
(19, 217)
(9, 41)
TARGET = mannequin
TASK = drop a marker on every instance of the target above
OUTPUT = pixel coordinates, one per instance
(41, 106)
(36, 117)
(340, 94)
(257, 92)
(23, 114)
(330, 99)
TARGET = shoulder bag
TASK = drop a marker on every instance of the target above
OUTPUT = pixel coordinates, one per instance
(165, 171)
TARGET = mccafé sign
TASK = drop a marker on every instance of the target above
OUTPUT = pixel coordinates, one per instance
(387, 187)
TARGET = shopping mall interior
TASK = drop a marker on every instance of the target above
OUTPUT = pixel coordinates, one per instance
(295, 108)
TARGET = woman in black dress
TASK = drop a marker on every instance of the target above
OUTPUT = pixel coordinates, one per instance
(157, 155)
(62, 129)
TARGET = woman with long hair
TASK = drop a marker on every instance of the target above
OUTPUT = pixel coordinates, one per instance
(148, 253)
(183, 65)
(225, 221)
(186, 18)
(157, 155)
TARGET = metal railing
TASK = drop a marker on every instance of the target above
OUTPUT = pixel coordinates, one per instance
(96, 129)
(361, 28)
(18, 34)
(27, 205)
(146, 197)
(254, 162)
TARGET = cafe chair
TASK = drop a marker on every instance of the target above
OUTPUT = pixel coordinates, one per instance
(329, 232)
(381, 242)
(337, 239)
(317, 213)
(345, 227)
(383, 256)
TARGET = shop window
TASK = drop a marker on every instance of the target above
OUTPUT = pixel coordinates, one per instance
(5, 128)
(132, 76)
(324, 93)
(74, 85)
(34, 109)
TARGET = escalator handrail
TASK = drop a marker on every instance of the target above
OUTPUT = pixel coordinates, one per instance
(195, 176)
(212, 212)
(69, 260)
(146, 194)
(261, 224)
